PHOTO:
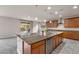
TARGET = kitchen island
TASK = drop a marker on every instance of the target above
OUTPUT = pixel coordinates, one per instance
(38, 44)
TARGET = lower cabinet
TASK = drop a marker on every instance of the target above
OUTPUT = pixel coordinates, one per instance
(53, 44)
(60, 37)
(38, 48)
(67, 34)
(42, 47)
(71, 35)
(56, 40)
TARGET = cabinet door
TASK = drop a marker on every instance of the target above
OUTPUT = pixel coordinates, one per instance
(39, 50)
(36, 50)
(56, 40)
(53, 23)
(59, 38)
(71, 35)
(67, 34)
(53, 44)
(42, 49)
(75, 35)
(66, 23)
(71, 23)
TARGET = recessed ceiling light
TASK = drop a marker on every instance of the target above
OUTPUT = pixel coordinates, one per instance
(75, 7)
(56, 12)
(49, 8)
(36, 18)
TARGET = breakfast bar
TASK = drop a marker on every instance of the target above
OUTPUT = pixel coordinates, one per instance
(38, 44)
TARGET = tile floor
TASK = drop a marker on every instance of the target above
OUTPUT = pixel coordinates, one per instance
(67, 47)
(8, 46)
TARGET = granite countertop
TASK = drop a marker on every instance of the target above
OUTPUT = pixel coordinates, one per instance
(61, 28)
(35, 38)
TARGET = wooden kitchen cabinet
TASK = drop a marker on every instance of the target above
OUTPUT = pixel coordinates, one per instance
(66, 23)
(68, 34)
(57, 39)
(42, 49)
(53, 24)
(38, 48)
(53, 44)
(35, 48)
(71, 35)
(47, 46)
(60, 37)
(71, 22)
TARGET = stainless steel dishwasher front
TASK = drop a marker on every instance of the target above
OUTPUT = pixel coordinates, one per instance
(49, 46)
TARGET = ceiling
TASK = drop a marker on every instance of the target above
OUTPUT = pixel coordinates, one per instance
(40, 11)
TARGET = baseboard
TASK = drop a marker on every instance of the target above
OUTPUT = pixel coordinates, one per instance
(7, 36)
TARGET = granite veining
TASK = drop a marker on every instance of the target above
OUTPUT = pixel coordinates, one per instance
(35, 38)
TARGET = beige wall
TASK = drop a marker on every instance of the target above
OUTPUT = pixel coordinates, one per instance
(8, 27)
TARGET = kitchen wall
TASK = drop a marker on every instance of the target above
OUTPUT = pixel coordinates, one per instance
(8, 27)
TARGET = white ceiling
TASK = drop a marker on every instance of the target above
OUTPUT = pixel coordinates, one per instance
(23, 11)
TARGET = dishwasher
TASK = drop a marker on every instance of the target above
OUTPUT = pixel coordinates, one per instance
(49, 46)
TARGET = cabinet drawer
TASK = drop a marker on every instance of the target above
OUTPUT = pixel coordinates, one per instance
(38, 44)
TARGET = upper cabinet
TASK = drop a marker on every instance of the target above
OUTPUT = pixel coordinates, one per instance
(52, 23)
(71, 22)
